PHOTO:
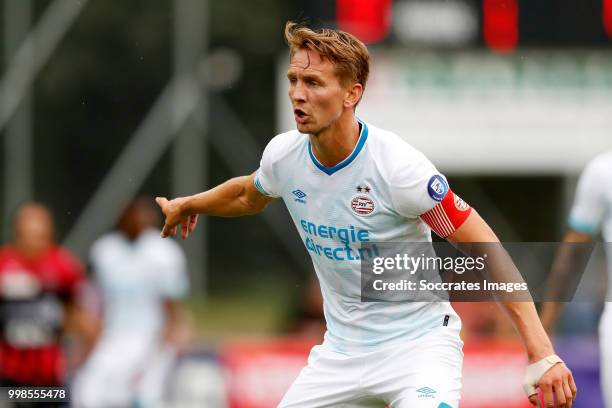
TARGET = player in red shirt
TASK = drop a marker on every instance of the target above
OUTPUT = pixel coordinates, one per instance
(39, 281)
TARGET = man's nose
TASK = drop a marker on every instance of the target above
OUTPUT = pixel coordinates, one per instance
(297, 93)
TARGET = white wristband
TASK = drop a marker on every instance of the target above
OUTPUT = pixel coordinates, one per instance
(536, 370)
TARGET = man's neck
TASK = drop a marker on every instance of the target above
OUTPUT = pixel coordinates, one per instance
(337, 142)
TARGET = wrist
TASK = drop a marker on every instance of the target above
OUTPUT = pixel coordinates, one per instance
(536, 354)
(185, 206)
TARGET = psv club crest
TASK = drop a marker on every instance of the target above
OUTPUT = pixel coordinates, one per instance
(362, 205)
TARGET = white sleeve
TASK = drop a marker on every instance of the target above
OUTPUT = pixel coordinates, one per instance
(265, 177)
(96, 257)
(588, 210)
(416, 186)
(173, 279)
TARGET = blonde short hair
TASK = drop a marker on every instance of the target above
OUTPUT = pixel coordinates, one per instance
(349, 55)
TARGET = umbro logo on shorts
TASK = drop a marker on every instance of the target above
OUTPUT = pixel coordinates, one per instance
(426, 392)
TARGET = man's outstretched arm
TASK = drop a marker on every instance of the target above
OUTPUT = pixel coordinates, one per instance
(558, 380)
(234, 198)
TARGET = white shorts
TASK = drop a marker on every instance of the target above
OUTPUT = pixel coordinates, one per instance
(422, 374)
(605, 345)
(111, 375)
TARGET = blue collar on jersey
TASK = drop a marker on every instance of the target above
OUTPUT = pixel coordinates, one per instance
(363, 135)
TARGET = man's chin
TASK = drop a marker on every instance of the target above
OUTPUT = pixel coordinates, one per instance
(303, 127)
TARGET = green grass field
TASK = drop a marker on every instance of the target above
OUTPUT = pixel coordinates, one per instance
(255, 312)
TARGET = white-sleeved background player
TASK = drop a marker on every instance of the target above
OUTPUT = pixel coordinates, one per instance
(344, 181)
(142, 280)
(590, 217)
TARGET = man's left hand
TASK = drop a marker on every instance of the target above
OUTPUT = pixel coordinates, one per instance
(558, 388)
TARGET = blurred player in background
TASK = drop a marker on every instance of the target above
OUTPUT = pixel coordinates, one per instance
(345, 182)
(39, 291)
(590, 217)
(142, 280)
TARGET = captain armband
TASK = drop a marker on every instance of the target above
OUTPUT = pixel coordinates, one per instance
(448, 215)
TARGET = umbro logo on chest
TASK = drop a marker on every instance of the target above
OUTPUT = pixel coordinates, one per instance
(300, 196)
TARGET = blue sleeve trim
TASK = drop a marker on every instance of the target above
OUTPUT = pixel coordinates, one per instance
(582, 226)
(260, 188)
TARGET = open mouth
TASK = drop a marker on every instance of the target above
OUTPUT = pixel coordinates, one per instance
(300, 114)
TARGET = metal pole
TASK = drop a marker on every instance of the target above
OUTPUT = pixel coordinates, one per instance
(25, 65)
(18, 171)
(131, 168)
(190, 150)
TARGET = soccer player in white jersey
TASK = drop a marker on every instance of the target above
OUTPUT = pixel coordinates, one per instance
(344, 182)
(591, 216)
(142, 280)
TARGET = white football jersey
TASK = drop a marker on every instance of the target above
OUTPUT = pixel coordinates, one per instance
(135, 277)
(592, 209)
(375, 195)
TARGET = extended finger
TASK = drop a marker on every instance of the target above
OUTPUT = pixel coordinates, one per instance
(161, 201)
(535, 401)
(569, 395)
(572, 385)
(560, 395)
(547, 395)
(193, 221)
(185, 229)
(166, 230)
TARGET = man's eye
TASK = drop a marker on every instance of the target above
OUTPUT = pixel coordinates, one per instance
(313, 82)
(292, 80)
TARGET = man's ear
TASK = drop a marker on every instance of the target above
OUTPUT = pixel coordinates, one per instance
(353, 95)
